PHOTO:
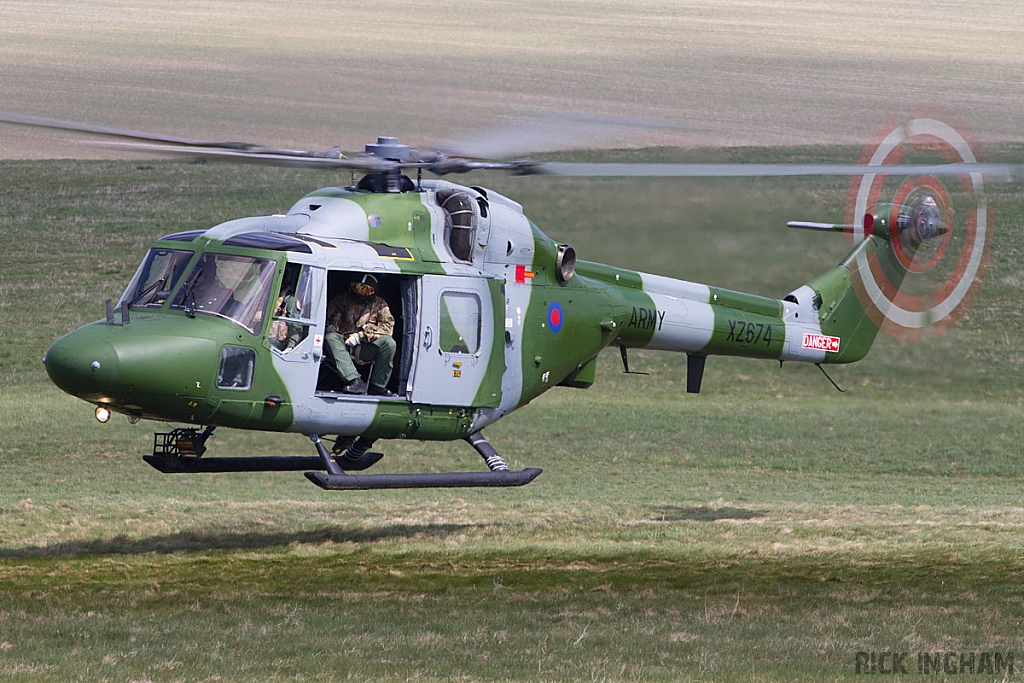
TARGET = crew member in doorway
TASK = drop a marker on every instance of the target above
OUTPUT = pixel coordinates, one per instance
(359, 330)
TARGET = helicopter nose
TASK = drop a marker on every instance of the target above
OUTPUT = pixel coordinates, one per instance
(83, 365)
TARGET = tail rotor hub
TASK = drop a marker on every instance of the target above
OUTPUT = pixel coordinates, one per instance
(921, 218)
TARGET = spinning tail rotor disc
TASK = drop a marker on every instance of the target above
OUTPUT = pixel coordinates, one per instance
(940, 240)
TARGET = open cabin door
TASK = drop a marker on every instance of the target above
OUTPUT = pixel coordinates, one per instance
(459, 352)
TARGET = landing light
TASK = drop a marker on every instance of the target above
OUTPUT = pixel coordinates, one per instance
(102, 414)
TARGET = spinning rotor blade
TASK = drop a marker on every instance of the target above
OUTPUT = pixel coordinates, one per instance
(170, 144)
(261, 155)
(613, 170)
(938, 239)
(549, 132)
(39, 122)
(484, 151)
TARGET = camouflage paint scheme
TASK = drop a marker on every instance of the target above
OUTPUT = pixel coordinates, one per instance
(484, 334)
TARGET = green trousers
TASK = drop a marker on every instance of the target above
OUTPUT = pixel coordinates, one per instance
(380, 352)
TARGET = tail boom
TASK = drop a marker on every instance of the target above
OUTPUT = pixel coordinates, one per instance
(822, 321)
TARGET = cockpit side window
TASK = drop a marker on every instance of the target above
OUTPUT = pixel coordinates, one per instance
(156, 278)
(460, 223)
(229, 286)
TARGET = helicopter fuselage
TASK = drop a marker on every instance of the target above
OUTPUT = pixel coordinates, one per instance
(226, 326)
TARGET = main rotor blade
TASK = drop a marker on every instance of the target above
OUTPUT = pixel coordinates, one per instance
(550, 132)
(156, 138)
(615, 170)
(39, 122)
(268, 157)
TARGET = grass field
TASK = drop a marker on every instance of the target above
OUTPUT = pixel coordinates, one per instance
(768, 529)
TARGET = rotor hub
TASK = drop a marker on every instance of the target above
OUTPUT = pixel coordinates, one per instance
(388, 147)
(921, 220)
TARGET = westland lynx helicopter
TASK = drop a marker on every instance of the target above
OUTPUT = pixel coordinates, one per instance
(227, 326)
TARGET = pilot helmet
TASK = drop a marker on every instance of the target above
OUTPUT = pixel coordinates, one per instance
(365, 286)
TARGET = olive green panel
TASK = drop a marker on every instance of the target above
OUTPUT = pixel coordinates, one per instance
(552, 354)
(247, 408)
(749, 303)
(739, 333)
(636, 319)
(583, 377)
(626, 279)
(841, 313)
(165, 365)
(595, 309)
(489, 394)
(419, 421)
(404, 222)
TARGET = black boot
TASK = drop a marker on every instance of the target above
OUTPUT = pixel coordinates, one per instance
(356, 386)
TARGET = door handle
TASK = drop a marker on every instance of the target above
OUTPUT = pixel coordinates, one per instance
(428, 335)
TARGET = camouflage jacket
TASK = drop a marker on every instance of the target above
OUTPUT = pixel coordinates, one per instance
(371, 318)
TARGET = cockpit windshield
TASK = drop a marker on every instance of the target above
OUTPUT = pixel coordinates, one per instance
(156, 277)
(229, 286)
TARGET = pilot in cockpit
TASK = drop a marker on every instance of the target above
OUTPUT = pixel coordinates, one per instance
(210, 294)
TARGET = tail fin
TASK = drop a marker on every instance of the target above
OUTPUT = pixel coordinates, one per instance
(845, 309)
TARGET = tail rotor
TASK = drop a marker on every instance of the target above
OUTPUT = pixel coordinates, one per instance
(939, 239)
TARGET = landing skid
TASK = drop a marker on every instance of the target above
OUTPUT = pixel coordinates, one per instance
(337, 480)
(191, 464)
(362, 482)
(264, 463)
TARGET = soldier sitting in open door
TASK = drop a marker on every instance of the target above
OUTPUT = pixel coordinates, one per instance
(359, 330)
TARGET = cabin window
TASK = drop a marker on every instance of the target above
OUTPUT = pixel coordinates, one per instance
(229, 286)
(459, 224)
(293, 311)
(268, 240)
(183, 236)
(236, 368)
(156, 277)
(460, 322)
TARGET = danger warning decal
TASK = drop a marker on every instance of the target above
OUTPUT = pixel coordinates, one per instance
(821, 342)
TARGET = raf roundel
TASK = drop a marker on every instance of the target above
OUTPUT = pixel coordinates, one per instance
(555, 316)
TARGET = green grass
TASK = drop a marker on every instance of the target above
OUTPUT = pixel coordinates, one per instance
(767, 529)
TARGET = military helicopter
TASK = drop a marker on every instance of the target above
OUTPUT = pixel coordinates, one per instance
(489, 312)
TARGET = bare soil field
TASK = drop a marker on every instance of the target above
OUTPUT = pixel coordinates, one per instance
(315, 74)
